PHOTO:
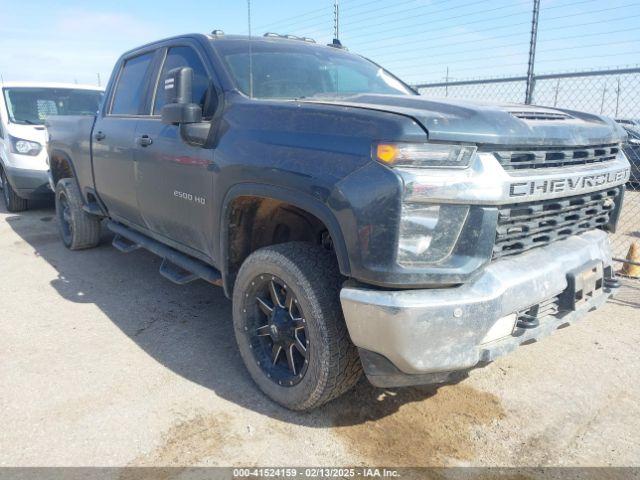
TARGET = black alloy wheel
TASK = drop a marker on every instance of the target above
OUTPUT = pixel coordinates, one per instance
(289, 325)
(277, 331)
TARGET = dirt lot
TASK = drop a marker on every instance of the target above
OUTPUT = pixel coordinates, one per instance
(104, 362)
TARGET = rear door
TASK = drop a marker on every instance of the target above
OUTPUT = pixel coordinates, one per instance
(113, 142)
(174, 179)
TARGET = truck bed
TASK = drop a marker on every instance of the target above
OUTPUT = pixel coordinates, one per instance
(70, 136)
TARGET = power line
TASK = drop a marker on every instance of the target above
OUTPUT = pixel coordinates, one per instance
(496, 37)
(305, 17)
(379, 39)
(493, 67)
(387, 22)
(306, 24)
(419, 7)
(284, 20)
(504, 45)
(366, 4)
(403, 60)
(507, 55)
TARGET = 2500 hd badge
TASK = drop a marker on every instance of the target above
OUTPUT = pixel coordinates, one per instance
(190, 197)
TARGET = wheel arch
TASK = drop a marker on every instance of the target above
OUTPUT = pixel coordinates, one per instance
(296, 199)
(61, 166)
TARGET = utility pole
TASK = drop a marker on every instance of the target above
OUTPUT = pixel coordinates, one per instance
(99, 83)
(555, 99)
(532, 52)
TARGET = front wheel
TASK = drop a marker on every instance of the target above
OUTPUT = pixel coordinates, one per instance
(78, 229)
(289, 325)
(12, 201)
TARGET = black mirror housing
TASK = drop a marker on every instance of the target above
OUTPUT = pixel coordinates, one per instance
(179, 107)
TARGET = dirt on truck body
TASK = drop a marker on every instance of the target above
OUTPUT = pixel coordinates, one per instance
(356, 226)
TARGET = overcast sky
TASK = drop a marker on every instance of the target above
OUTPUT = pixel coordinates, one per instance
(71, 40)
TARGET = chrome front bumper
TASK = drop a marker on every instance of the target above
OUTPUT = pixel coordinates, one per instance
(419, 333)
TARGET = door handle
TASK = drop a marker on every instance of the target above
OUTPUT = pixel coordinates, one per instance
(99, 136)
(145, 140)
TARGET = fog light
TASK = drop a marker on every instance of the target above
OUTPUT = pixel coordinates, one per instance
(417, 224)
(502, 328)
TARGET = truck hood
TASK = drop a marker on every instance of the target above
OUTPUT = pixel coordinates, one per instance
(493, 124)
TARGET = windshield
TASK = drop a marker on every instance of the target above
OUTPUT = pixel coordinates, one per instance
(288, 71)
(31, 106)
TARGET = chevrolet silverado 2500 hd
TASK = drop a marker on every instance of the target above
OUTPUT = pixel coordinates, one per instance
(355, 224)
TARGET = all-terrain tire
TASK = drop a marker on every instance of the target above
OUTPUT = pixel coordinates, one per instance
(78, 229)
(12, 201)
(311, 274)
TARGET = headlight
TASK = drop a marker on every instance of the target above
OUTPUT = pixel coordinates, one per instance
(428, 231)
(423, 155)
(24, 147)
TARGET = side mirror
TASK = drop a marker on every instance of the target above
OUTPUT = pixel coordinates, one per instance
(179, 107)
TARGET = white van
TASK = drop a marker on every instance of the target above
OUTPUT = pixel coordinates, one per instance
(24, 107)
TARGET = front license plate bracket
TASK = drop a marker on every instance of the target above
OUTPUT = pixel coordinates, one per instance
(583, 284)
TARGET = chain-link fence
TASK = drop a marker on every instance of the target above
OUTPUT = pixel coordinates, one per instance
(615, 93)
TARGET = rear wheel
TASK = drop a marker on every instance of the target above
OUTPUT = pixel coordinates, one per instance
(289, 325)
(12, 201)
(78, 229)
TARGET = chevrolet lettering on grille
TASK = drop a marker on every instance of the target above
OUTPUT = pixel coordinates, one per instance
(569, 184)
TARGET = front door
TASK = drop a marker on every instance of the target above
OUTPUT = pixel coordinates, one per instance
(174, 179)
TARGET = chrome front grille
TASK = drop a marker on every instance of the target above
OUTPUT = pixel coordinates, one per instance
(547, 157)
(524, 226)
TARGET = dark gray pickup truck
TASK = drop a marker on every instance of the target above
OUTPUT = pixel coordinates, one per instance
(355, 224)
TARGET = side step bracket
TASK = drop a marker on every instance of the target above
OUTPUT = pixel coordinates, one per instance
(176, 266)
(178, 275)
(123, 244)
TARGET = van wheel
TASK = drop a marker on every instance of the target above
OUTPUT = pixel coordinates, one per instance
(78, 229)
(289, 325)
(12, 201)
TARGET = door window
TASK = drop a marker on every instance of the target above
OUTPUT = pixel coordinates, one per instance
(130, 89)
(186, 57)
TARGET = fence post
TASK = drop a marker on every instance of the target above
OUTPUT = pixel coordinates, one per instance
(618, 97)
(446, 87)
(604, 96)
(532, 52)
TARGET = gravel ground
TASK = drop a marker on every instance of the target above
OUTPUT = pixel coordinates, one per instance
(104, 362)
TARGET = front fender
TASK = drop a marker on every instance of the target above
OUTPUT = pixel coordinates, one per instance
(296, 198)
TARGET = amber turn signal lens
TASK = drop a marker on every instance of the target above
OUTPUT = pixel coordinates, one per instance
(386, 153)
